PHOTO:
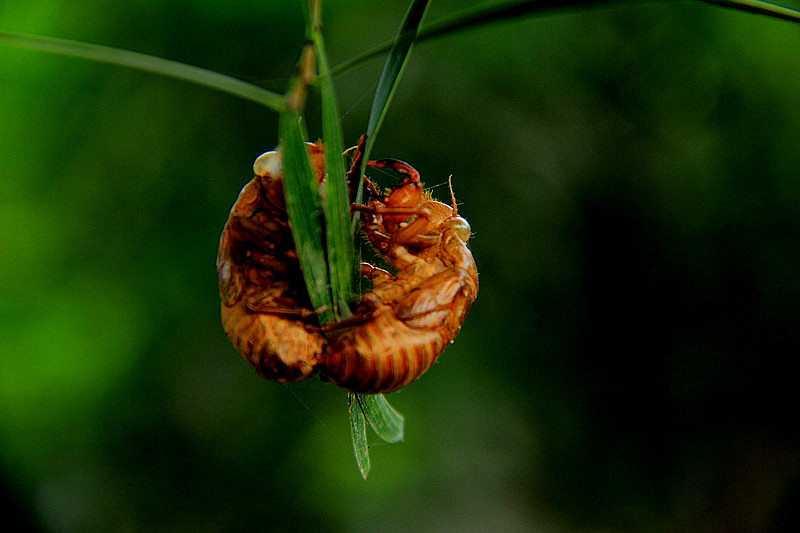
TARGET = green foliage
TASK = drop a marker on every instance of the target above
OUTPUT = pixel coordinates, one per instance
(147, 63)
(382, 417)
(305, 212)
(331, 290)
(759, 8)
(631, 175)
(393, 69)
(358, 429)
(497, 12)
(342, 256)
(387, 423)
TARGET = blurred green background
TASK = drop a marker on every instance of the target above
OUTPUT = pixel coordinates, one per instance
(632, 176)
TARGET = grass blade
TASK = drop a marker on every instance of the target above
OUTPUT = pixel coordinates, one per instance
(492, 12)
(358, 431)
(342, 260)
(147, 63)
(387, 423)
(393, 69)
(305, 212)
(389, 79)
(759, 8)
(472, 17)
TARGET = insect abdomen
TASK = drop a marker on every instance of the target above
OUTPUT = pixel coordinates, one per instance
(278, 348)
(265, 308)
(382, 355)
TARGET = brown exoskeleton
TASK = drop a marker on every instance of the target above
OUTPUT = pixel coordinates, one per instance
(399, 328)
(265, 306)
(406, 321)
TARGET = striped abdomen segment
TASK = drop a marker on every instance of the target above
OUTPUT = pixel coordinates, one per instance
(381, 355)
(265, 309)
(279, 348)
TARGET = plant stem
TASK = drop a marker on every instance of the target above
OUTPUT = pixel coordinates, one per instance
(147, 63)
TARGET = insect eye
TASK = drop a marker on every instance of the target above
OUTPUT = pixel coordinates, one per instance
(267, 164)
(461, 227)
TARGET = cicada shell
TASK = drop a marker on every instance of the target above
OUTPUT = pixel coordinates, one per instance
(266, 311)
(398, 329)
(406, 321)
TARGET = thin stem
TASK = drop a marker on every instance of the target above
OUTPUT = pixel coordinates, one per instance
(489, 13)
(340, 245)
(147, 63)
(472, 17)
(759, 8)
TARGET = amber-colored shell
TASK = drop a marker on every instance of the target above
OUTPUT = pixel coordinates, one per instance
(399, 328)
(403, 325)
(407, 324)
(265, 307)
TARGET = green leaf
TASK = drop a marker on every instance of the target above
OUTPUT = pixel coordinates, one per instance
(470, 18)
(342, 260)
(492, 12)
(387, 423)
(489, 13)
(305, 212)
(358, 430)
(473, 16)
(147, 63)
(759, 8)
(393, 69)
(389, 79)
(382, 417)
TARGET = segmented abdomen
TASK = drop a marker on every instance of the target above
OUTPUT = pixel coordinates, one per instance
(265, 307)
(278, 348)
(382, 354)
(403, 325)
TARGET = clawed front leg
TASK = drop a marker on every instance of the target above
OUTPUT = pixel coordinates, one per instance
(264, 302)
(408, 234)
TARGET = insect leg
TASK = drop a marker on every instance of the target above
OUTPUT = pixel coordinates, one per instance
(347, 323)
(408, 193)
(374, 274)
(287, 311)
(274, 302)
(411, 174)
(355, 169)
(372, 190)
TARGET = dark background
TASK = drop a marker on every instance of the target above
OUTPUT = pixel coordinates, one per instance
(632, 176)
